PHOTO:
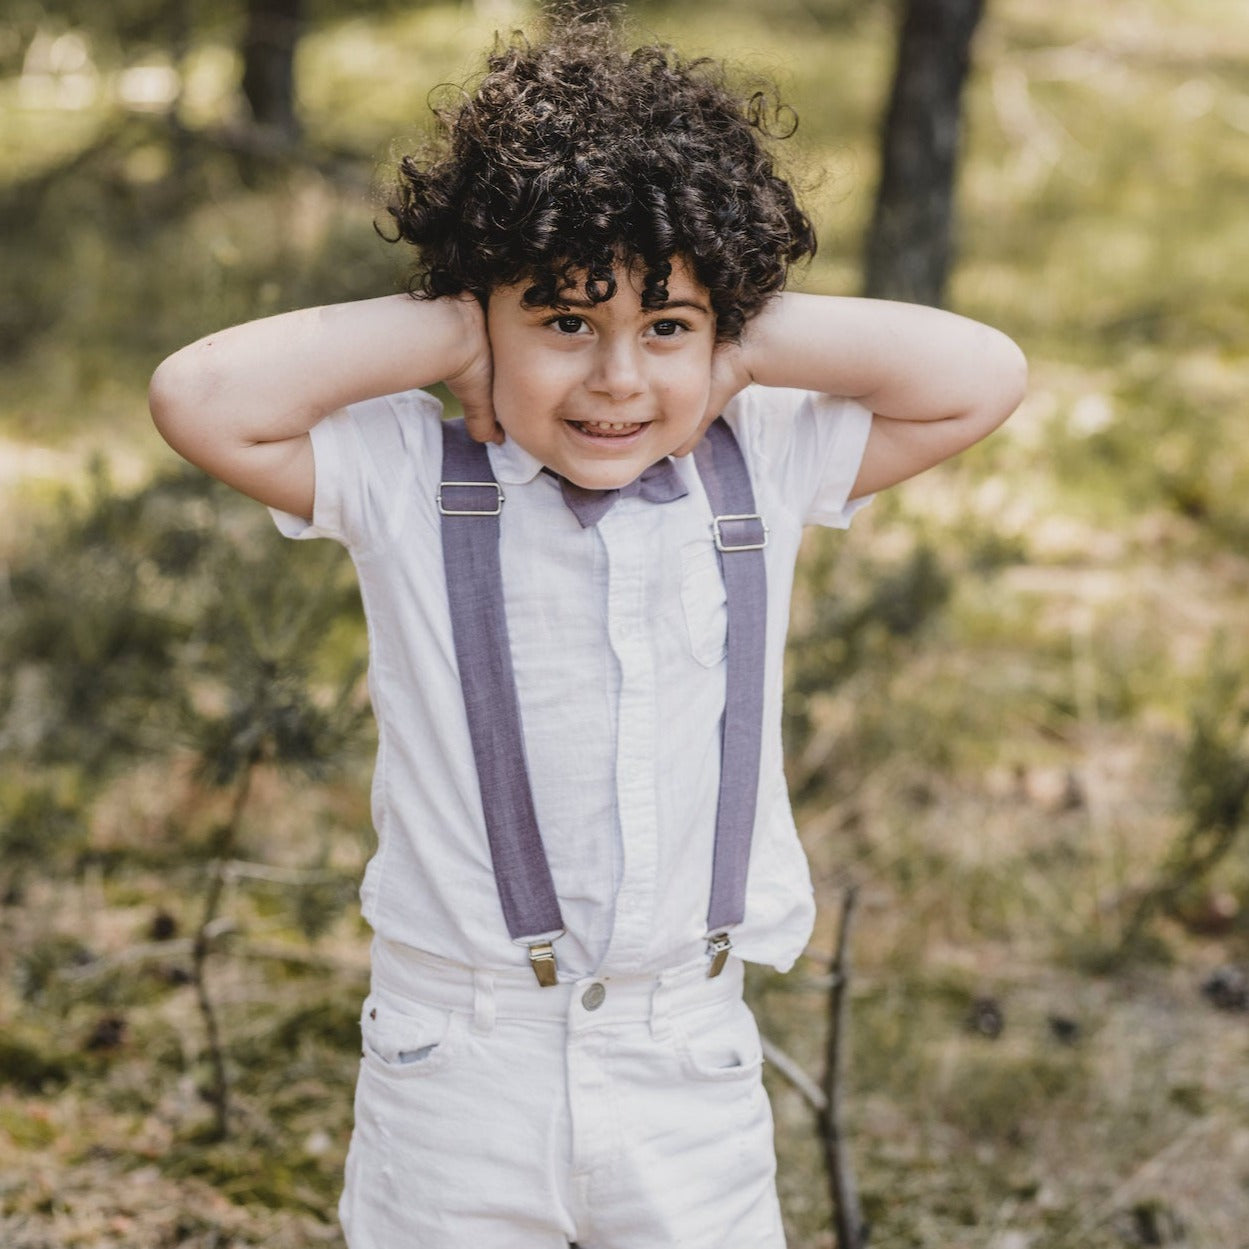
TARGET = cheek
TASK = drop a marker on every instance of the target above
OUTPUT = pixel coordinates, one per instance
(526, 378)
(686, 391)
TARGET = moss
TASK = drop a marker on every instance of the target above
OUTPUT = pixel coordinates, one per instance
(253, 1173)
(26, 1126)
(1000, 1097)
(334, 1022)
(31, 1064)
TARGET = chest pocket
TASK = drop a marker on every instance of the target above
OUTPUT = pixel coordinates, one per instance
(704, 603)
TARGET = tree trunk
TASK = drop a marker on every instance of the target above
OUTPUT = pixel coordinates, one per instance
(909, 246)
(273, 29)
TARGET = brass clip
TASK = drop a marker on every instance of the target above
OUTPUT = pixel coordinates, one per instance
(718, 947)
(542, 960)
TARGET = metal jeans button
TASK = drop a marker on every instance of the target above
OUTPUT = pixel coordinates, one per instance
(593, 997)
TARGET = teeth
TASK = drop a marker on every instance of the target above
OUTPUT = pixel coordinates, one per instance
(613, 426)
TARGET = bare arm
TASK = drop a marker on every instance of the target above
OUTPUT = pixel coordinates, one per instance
(936, 382)
(240, 402)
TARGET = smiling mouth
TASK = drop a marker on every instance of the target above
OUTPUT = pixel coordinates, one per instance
(607, 429)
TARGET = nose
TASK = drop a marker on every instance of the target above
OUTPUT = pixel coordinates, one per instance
(618, 370)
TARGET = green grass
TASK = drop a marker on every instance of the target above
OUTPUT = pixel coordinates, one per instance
(996, 674)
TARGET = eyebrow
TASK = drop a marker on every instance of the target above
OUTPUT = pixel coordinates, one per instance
(664, 307)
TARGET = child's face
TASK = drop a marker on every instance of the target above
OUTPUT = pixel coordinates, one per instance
(598, 392)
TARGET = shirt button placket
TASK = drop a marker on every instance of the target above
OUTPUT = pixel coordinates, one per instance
(629, 547)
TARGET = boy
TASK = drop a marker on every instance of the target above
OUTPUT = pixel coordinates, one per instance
(581, 746)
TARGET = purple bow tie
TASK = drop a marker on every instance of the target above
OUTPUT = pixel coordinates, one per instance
(661, 483)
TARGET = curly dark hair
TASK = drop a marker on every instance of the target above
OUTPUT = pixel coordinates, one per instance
(574, 155)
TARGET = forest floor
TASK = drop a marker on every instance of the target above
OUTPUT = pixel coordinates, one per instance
(1017, 690)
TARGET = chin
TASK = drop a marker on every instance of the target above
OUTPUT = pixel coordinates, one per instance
(602, 476)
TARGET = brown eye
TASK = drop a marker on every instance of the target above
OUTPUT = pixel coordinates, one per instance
(668, 329)
(568, 325)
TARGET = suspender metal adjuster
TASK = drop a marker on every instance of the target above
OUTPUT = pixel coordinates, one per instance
(753, 538)
(492, 486)
(718, 947)
(542, 960)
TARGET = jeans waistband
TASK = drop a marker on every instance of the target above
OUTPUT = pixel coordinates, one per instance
(488, 995)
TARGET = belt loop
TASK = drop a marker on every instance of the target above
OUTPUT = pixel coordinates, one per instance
(483, 1002)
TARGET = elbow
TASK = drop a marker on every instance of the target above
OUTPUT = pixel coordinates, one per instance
(177, 396)
(1001, 385)
(162, 395)
(1001, 381)
(1012, 378)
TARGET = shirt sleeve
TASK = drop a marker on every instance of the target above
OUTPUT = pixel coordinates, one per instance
(812, 445)
(370, 460)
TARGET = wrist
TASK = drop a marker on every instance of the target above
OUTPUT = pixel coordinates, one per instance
(471, 380)
(756, 347)
(466, 340)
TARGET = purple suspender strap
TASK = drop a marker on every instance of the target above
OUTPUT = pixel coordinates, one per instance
(740, 536)
(470, 501)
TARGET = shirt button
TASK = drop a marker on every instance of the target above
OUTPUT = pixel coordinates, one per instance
(593, 997)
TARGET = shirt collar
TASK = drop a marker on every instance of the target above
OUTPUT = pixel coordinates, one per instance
(512, 464)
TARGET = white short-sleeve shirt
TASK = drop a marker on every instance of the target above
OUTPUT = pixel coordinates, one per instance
(617, 634)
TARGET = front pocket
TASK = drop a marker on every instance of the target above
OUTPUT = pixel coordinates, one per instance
(406, 1039)
(704, 602)
(721, 1046)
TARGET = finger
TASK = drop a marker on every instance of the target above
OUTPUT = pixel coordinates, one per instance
(481, 424)
(476, 401)
(690, 443)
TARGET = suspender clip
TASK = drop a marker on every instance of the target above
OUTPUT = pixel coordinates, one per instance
(542, 960)
(751, 536)
(486, 510)
(718, 947)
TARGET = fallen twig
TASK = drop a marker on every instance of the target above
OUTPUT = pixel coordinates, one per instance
(241, 869)
(789, 1067)
(1148, 1172)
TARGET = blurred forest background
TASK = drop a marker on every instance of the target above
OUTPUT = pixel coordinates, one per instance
(1019, 697)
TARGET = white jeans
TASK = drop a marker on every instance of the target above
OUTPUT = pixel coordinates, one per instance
(626, 1113)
